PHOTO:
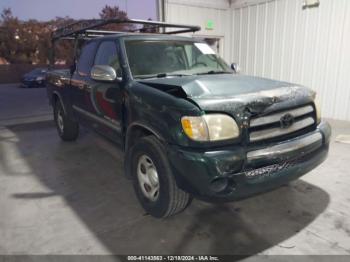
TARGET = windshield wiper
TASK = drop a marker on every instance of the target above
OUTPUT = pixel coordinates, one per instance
(170, 74)
(213, 72)
(161, 75)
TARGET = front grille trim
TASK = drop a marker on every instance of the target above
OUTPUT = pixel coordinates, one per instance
(265, 120)
(277, 131)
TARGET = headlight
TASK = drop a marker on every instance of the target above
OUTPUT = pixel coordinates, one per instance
(211, 127)
(39, 78)
(318, 110)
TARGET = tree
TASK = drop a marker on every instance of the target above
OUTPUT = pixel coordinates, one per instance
(9, 45)
(6, 15)
(64, 50)
(149, 28)
(23, 42)
(114, 12)
(30, 41)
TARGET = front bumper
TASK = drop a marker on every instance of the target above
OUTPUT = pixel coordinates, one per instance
(239, 172)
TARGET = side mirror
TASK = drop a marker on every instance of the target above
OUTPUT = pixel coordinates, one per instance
(235, 67)
(104, 73)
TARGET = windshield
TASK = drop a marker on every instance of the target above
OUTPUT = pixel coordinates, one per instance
(161, 58)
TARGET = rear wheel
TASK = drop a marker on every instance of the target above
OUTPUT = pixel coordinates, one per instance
(67, 129)
(153, 180)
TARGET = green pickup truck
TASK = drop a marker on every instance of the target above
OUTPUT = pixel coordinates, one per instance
(188, 124)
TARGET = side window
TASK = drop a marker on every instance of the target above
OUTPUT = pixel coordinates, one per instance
(86, 58)
(107, 55)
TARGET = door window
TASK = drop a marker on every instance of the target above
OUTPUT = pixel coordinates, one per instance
(107, 55)
(86, 58)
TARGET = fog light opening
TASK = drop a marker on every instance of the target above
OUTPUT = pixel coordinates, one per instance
(219, 184)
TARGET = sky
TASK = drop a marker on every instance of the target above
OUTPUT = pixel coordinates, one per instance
(47, 9)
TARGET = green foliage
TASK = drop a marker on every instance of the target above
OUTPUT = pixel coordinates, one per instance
(109, 12)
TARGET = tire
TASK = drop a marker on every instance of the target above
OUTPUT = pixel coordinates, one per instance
(67, 129)
(169, 200)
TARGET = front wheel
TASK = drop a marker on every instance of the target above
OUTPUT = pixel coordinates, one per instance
(153, 180)
(67, 129)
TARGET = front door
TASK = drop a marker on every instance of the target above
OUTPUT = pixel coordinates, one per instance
(97, 103)
(106, 98)
(81, 84)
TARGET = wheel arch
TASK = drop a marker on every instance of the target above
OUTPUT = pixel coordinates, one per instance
(56, 96)
(138, 130)
(133, 133)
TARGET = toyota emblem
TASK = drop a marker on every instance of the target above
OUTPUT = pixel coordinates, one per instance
(286, 120)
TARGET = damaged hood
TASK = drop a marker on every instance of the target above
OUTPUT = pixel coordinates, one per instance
(232, 92)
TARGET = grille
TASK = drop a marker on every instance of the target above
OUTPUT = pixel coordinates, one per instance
(270, 127)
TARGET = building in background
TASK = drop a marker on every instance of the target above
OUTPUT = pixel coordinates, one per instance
(280, 39)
